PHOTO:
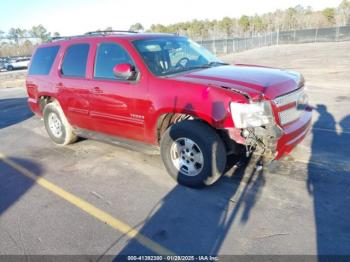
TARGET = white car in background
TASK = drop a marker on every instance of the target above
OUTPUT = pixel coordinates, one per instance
(18, 63)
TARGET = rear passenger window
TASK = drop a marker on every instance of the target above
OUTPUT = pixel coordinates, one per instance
(109, 55)
(42, 60)
(74, 61)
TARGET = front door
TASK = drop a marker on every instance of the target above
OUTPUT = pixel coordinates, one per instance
(115, 103)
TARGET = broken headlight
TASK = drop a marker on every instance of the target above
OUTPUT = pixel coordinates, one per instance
(251, 115)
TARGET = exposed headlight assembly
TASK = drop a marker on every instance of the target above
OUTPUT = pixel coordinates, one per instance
(251, 115)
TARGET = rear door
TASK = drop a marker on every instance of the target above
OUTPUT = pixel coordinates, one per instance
(72, 85)
(116, 105)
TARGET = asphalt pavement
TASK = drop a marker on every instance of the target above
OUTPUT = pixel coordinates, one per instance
(91, 198)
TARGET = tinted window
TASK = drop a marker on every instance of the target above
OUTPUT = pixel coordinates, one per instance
(74, 61)
(43, 60)
(108, 55)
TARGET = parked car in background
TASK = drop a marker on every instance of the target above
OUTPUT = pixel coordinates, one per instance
(3, 62)
(169, 92)
(2, 66)
(18, 63)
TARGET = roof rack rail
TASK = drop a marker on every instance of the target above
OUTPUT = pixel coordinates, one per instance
(57, 38)
(92, 33)
(106, 32)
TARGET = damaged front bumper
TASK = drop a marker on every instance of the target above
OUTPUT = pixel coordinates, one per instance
(272, 141)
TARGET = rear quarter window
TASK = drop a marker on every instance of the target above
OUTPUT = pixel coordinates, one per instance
(42, 60)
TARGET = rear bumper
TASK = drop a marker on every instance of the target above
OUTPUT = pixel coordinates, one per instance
(293, 135)
(34, 106)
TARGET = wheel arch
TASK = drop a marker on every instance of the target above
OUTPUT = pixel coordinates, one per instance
(45, 99)
(167, 119)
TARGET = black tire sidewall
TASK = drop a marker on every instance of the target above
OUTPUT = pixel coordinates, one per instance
(51, 108)
(210, 144)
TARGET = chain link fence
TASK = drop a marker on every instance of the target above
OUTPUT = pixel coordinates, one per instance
(25, 45)
(232, 45)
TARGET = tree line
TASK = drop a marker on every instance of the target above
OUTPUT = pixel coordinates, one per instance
(21, 42)
(18, 41)
(293, 18)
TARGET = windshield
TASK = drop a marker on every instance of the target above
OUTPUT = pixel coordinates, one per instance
(172, 55)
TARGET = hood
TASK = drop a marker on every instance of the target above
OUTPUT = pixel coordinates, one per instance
(252, 80)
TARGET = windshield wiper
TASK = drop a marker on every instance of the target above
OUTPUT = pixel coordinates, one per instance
(212, 63)
(208, 65)
(177, 71)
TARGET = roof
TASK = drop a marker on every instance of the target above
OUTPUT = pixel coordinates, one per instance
(127, 35)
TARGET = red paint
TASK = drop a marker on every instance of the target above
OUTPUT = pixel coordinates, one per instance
(131, 109)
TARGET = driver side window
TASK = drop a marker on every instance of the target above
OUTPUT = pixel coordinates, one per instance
(109, 55)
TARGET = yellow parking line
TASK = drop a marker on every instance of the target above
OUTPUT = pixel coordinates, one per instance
(88, 208)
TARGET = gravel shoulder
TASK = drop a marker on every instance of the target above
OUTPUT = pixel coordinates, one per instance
(13, 79)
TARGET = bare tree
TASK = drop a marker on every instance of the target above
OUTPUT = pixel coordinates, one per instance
(138, 27)
(343, 13)
(40, 32)
(16, 34)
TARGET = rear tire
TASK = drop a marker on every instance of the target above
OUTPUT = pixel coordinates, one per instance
(193, 153)
(57, 126)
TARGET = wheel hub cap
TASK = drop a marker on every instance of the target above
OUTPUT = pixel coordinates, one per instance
(187, 157)
(55, 125)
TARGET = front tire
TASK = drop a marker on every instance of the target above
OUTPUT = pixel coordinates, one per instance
(193, 153)
(57, 126)
(9, 68)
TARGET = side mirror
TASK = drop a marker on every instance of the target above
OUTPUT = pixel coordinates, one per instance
(125, 71)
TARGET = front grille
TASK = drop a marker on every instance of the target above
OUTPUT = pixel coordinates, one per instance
(292, 113)
(289, 98)
(289, 115)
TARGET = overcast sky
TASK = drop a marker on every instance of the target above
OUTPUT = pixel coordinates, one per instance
(79, 16)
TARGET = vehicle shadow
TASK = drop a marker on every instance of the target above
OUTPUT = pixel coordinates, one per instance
(329, 184)
(14, 185)
(13, 111)
(192, 221)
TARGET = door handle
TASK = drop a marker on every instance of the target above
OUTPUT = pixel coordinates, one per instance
(96, 90)
(59, 85)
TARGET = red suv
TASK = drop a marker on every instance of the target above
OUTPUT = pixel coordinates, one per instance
(166, 91)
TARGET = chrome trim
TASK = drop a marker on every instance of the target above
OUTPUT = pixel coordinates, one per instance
(293, 113)
(289, 98)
